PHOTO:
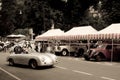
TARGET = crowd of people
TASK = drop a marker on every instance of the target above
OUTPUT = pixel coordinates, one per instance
(37, 46)
(5, 45)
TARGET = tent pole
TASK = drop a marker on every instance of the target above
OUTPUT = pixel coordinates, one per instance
(88, 44)
(69, 47)
(112, 51)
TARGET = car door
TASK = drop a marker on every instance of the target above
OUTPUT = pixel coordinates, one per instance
(16, 58)
(22, 58)
(116, 52)
(108, 51)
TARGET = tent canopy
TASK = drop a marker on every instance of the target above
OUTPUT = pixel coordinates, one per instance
(113, 28)
(110, 32)
(50, 34)
(83, 30)
(77, 33)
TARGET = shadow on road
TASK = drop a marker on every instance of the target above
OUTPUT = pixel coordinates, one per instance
(27, 67)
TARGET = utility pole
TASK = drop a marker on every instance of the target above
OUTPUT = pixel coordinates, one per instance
(53, 26)
(31, 33)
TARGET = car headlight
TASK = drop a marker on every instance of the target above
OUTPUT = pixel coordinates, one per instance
(59, 48)
(42, 59)
(55, 58)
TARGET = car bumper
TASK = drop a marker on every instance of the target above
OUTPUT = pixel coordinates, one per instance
(48, 63)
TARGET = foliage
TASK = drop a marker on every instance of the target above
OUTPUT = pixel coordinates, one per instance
(111, 11)
(22, 31)
(41, 14)
(7, 17)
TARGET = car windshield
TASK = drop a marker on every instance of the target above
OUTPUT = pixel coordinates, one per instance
(30, 50)
(101, 46)
(105, 46)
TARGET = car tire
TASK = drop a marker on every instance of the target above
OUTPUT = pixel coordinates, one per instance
(33, 64)
(11, 62)
(64, 52)
(80, 53)
(86, 57)
(98, 58)
(51, 66)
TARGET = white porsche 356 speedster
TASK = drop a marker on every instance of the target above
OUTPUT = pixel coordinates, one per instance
(31, 58)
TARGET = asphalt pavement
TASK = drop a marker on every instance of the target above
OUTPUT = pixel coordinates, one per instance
(67, 68)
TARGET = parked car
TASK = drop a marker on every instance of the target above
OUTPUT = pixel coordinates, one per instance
(104, 52)
(1, 46)
(31, 58)
(70, 49)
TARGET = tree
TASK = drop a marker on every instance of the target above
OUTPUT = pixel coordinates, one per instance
(75, 12)
(111, 11)
(40, 14)
(37, 15)
(94, 16)
(7, 17)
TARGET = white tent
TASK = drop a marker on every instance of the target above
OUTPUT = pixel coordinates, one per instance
(78, 33)
(50, 34)
(12, 35)
(110, 32)
(16, 36)
(20, 35)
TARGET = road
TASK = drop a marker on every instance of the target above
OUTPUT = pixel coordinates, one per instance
(67, 68)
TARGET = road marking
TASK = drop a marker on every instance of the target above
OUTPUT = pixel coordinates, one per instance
(75, 71)
(107, 78)
(60, 67)
(82, 72)
(106, 63)
(85, 73)
(101, 63)
(10, 74)
(91, 62)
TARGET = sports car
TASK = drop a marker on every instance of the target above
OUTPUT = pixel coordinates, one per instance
(31, 58)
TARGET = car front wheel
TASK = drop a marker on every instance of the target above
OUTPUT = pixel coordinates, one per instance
(33, 64)
(11, 62)
(64, 53)
(86, 57)
(98, 58)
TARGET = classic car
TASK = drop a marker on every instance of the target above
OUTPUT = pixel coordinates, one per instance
(104, 52)
(31, 58)
(75, 49)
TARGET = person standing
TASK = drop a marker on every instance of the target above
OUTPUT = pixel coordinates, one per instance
(39, 47)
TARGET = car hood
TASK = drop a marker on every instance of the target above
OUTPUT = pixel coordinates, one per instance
(50, 55)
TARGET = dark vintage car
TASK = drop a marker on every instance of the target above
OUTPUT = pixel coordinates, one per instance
(104, 52)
